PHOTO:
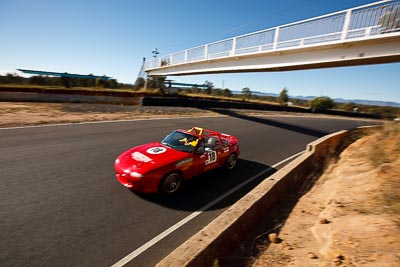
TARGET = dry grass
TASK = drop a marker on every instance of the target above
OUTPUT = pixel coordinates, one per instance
(22, 114)
(386, 146)
(384, 155)
(360, 198)
(389, 169)
(226, 98)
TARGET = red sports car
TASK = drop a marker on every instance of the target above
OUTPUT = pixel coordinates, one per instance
(161, 167)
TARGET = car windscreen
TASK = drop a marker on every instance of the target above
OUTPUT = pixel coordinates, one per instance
(181, 141)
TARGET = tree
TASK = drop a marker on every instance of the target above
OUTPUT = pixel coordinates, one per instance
(12, 78)
(140, 81)
(217, 92)
(321, 103)
(349, 106)
(246, 92)
(209, 87)
(194, 90)
(98, 82)
(283, 97)
(226, 92)
(111, 83)
(155, 81)
(66, 81)
(37, 80)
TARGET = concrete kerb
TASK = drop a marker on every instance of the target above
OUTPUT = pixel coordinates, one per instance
(220, 237)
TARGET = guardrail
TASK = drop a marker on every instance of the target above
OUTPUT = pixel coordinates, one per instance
(365, 21)
(224, 234)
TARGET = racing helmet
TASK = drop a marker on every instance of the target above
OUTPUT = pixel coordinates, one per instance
(212, 142)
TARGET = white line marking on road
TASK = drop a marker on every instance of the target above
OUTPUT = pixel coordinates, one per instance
(287, 159)
(174, 227)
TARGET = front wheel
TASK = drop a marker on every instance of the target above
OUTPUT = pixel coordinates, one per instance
(231, 162)
(171, 183)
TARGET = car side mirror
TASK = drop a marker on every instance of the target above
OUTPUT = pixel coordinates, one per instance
(199, 150)
(202, 150)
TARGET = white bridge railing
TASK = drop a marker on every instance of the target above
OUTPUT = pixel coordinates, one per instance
(365, 21)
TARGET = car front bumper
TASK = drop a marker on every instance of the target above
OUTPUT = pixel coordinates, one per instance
(137, 184)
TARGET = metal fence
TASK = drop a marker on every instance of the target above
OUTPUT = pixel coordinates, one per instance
(377, 18)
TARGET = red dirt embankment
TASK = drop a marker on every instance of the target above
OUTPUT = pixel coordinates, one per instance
(351, 217)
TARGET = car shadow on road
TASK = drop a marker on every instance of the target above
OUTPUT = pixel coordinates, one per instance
(201, 190)
(274, 123)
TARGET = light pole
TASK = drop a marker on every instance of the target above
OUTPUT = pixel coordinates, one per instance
(155, 53)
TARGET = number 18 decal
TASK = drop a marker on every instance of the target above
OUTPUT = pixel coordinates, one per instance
(212, 157)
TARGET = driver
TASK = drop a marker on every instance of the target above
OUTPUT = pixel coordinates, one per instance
(212, 143)
(192, 140)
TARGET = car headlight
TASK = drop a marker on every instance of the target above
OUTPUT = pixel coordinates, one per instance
(136, 174)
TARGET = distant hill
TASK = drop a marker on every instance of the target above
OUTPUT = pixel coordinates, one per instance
(338, 100)
(357, 101)
(368, 102)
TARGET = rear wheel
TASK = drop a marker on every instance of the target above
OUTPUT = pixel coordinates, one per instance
(231, 162)
(171, 183)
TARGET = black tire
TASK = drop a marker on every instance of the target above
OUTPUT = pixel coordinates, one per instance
(230, 162)
(171, 183)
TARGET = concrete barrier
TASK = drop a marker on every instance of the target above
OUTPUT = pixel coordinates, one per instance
(215, 103)
(220, 237)
(66, 98)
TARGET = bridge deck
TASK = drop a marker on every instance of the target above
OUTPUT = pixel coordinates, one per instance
(375, 28)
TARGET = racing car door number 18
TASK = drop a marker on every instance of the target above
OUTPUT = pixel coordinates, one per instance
(212, 157)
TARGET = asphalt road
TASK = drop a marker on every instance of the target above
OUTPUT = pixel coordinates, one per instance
(61, 205)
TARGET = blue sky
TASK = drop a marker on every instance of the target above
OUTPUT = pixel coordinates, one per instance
(111, 38)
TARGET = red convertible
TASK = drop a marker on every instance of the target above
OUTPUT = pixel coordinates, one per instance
(182, 154)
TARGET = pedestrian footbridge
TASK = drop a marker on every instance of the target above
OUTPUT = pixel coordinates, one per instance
(368, 34)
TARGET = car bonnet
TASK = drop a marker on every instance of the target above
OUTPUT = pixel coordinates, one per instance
(150, 156)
